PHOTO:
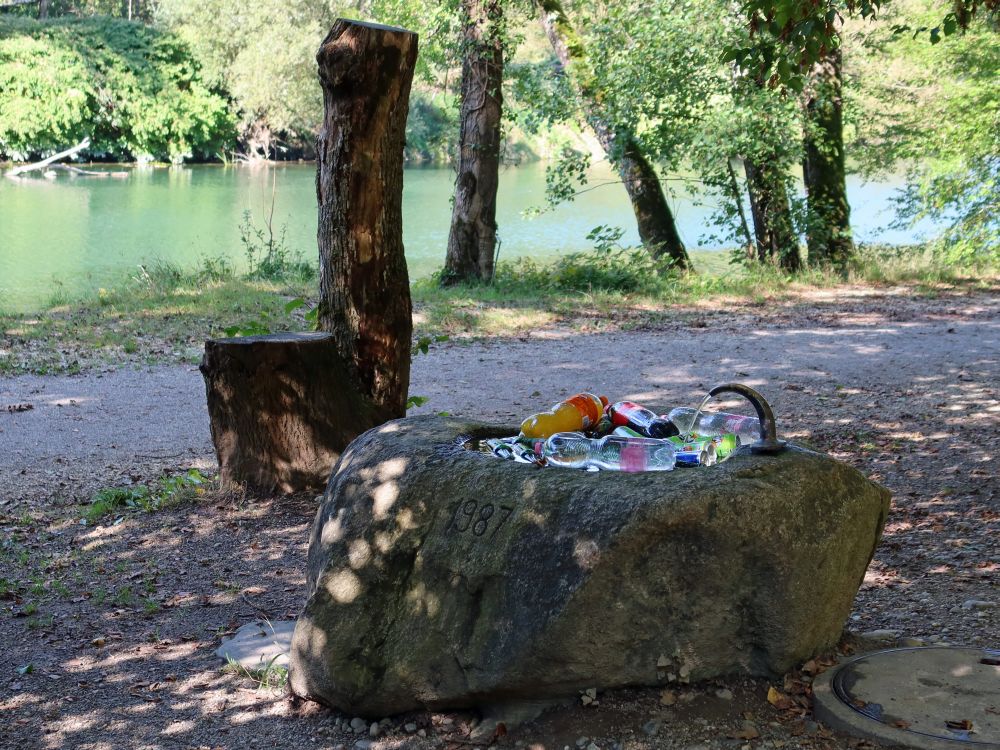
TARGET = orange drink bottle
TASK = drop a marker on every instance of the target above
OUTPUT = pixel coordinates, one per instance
(575, 414)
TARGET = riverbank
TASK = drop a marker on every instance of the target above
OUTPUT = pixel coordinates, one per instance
(187, 216)
(163, 314)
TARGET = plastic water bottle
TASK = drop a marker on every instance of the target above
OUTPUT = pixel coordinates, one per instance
(580, 412)
(574, 451)
(711, 424)
(640, 419)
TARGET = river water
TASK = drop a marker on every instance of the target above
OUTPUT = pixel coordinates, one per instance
(71, 235)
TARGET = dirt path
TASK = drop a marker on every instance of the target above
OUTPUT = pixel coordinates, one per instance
(118, 621)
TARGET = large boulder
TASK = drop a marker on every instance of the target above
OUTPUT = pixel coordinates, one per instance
(441, 577)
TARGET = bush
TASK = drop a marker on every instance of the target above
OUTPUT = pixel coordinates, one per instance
(136, 91)
(621, 270)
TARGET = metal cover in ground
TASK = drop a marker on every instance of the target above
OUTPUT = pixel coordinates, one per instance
(938, 697)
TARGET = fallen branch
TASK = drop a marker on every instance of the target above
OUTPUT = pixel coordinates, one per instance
(45, 162)
(88, 172)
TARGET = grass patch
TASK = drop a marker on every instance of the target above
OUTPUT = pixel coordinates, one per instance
(625, 289)
(164, 314)
(160, 315)
(267, 676)
(169, 491)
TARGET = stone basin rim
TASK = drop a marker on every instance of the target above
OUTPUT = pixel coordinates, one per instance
(460, 445)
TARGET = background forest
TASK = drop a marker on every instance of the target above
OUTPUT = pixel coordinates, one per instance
(678, 88)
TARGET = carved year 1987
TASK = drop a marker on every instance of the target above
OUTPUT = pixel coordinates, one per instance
(479, 518)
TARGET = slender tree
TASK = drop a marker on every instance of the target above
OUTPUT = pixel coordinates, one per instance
(657, 228)
(773, 231)
(829, 222)
(766, 162)
(472, 239)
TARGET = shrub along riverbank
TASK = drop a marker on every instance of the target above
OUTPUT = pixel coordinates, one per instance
(136, 91)
(163, 314)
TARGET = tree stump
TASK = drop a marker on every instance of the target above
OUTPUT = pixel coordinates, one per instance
(283, 407)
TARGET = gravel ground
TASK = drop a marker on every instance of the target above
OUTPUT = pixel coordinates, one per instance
(110, 629)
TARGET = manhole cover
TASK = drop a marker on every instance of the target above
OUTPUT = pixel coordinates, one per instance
(920, 697)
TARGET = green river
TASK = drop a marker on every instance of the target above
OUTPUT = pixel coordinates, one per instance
(70, 235)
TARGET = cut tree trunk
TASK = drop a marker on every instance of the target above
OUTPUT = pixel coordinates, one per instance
(282, 407)
(655, 220)
(823, 169)
(473, 235)
(772, 220)
(365, 71)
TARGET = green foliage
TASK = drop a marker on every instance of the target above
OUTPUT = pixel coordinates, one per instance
(607, 270)
(268, 676)
(266, 65)
(412, 402)
(788, 36)
(967, 198)
(268, 257)
(423, 344)
(934, 109)
(134, 90)
(168, 491)
(431, 128)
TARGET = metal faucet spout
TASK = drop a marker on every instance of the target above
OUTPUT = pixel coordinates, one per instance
(768, 442)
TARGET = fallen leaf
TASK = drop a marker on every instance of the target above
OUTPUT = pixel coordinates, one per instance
(668, 698)
(98, 642)
(901, 724)
(964, 724)
(778, 699)
(746, 732)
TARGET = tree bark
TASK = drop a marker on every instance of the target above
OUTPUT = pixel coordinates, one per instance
(282, 408)
(772, 221)
(472, 239)
(365, 71)
(823, 169)
(751, 249)
(655, 220)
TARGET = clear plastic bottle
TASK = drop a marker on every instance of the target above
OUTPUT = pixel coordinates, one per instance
(574, 451)
(580, 412)
(711, 424)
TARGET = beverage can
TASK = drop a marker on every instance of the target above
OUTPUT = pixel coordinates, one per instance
(698, 451)
(725, 445)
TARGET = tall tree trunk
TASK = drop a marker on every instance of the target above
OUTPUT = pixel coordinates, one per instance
(365, 71)
(655, 220)
(734, 189)
(772, 221)
(43, 9)
(829, 231)
(472, 239)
